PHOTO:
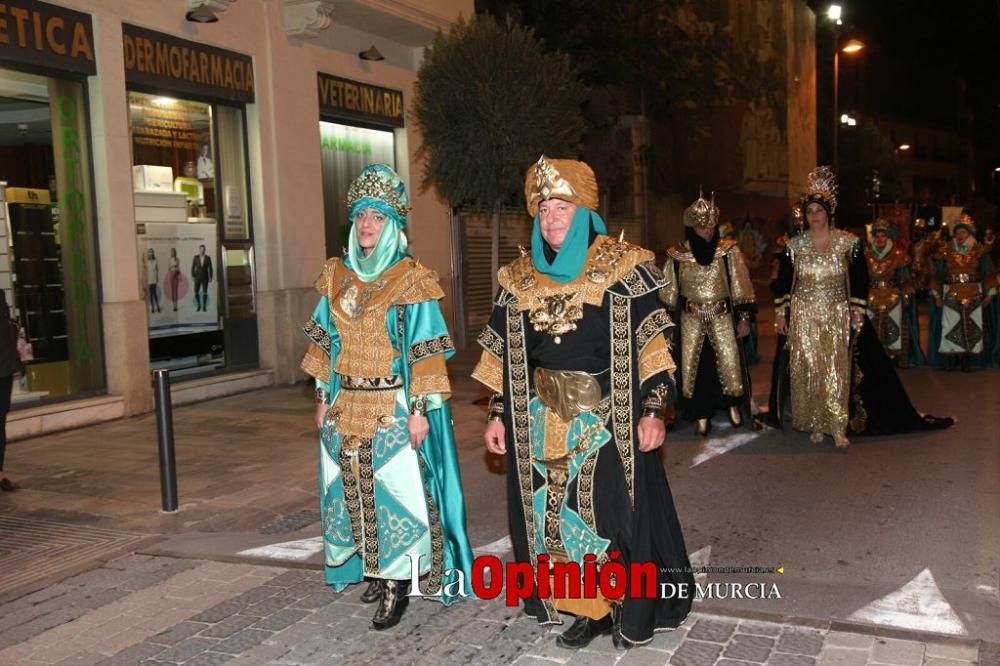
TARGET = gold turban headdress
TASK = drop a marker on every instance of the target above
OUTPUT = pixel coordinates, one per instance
(569, 180)
(884, 226)
(702, 213)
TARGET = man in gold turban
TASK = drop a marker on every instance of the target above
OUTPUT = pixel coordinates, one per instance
(577, 356)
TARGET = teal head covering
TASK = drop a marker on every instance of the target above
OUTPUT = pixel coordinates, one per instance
(380, 188)
(570, 258)
(572, 181)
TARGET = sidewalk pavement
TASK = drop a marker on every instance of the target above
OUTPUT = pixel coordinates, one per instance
(83, 577)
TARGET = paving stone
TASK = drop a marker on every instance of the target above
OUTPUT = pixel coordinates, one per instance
(209, 659)
(315, 601)
(848, 640)
(104, 598)
(712, 629)
(733, 662)
(641, 656)
(938, 661)
(219, 612)
(786, 659)
(243, 641)
(288, 579)
(281, 620)
(187, 649)
(177, 633)
(228, 627)
(800, 641)
(759, 628)
(524, 630)
(589, 658)
(901, 653)
(528, 660)
(836, 656)
(134, 653)
(479, 632)
(256, 595)
(952, 651)
(696, 653)
(668, 640)
(82, 659)
(266, 607)
(749, 648)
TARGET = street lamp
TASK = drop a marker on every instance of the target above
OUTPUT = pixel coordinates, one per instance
(851, 46)
(904, 146)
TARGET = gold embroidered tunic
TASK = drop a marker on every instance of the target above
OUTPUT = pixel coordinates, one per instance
(889, 286)
(961, 280)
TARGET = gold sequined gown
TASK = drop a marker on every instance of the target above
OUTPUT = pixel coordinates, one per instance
(819, 289)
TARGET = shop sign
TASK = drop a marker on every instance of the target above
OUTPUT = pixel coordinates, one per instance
(343, 99)
(43, 35)
(164, 62)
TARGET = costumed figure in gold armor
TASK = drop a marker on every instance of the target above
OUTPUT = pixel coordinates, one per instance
(963, 286)
(709, 294)
(390, 492)
(577, 355)
(890, 295)
(839, 375)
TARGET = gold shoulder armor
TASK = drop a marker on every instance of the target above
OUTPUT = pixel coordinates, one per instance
(322, 284)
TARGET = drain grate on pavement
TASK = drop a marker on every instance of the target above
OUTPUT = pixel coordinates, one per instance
(35, 549)
(291, 522)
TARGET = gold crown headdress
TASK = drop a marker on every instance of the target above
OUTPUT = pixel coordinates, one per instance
(380, 183)
(569, 180)
(822, 184)
(702, 213)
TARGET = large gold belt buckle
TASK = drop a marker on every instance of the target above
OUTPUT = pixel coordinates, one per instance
(567, 393)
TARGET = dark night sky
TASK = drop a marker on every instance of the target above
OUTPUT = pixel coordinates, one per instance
(917, 53)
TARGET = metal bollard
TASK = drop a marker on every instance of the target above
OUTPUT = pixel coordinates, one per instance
(165, 435)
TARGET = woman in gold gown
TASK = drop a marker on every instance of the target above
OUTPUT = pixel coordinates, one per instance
(829, 356)
(821, 294)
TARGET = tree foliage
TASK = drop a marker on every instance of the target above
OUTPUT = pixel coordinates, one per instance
(866, 154)
(489, 100)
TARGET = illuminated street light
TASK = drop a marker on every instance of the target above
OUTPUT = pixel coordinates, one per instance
(851, 122)
(834, 13)
(904, 146)
(844, 118)
(852, 46)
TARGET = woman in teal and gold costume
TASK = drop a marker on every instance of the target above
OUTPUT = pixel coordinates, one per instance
(390, 489)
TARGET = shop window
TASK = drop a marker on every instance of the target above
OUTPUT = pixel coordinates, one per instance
(191, 198)
(346, 150)
(48, 253)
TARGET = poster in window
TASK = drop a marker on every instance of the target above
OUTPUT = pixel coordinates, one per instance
(179, 272)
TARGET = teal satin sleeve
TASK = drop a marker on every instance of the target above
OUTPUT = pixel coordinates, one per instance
(422, 322)
(321, 315)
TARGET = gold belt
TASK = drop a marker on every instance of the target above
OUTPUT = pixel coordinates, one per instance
(707, 311)
(567, 393)
(370, 383)
(960, 278)
(883, 284)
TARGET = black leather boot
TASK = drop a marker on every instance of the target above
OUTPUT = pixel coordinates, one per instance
(583, 631)
(622, 643)
(392, 604)
(372, 593)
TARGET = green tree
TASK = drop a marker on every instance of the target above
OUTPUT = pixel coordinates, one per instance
(489, 100)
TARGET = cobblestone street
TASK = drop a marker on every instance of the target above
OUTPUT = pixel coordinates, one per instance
(139, 609)
(91, 572)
